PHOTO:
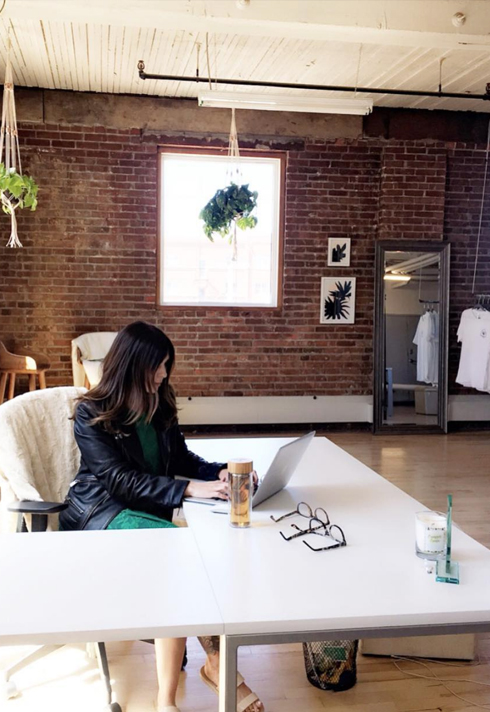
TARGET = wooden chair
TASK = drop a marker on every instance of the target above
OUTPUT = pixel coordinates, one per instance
(12, 365)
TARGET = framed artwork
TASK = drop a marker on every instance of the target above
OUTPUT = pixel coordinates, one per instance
(339, 251)
(338, 300)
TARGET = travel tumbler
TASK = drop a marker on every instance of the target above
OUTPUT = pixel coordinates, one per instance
(240, 481)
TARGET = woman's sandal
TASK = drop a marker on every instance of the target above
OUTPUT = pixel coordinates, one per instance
(241, 706)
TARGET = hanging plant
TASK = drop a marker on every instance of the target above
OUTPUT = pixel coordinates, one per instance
(229, 208)
(16, 190)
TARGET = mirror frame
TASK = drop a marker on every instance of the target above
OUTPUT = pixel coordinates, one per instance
(443, 249)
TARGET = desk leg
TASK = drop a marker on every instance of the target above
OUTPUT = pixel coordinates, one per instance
(227, 674)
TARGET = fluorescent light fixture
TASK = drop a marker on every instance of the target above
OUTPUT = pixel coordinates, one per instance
(284, 102)
(414, 264)
(397, 277)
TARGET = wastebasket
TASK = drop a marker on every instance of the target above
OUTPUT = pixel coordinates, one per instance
(331, 664)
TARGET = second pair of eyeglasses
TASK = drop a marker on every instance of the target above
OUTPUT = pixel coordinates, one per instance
(319, 524)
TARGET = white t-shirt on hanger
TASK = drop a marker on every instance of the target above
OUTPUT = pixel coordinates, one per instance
(421, 341)
(433, 370)
(427, 341)
(474, 334)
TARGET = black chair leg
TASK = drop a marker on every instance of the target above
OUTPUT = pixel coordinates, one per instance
(104, 673)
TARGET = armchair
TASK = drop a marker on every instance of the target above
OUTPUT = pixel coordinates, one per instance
(39, 458)
(87, 354)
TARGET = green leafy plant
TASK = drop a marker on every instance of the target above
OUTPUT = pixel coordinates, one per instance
(230, 207)
(18, 191)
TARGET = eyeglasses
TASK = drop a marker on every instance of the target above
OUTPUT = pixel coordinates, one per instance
(314, 524)
(318, 523)
(304, 510)
(333, 531)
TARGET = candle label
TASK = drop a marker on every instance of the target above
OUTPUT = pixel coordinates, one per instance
(430, 532)
(434, 540)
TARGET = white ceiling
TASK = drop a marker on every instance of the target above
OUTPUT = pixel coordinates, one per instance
(95, 45)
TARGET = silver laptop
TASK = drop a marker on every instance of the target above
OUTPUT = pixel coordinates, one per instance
(280, 471)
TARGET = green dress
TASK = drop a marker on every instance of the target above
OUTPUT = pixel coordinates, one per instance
(129, 518)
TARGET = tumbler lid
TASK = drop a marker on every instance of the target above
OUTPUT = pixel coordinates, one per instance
(240, 466)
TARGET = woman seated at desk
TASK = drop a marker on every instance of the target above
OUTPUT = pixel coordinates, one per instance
(131, 451)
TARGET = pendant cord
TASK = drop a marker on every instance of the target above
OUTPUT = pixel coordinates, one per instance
(208, 62)
(481, 209)
(358, 68)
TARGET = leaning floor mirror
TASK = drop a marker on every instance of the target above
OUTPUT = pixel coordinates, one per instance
(411, 337)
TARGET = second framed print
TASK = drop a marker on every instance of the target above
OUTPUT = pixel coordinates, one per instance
(338, 300)
(339, 251)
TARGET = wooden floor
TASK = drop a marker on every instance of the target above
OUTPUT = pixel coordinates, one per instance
(427, 467)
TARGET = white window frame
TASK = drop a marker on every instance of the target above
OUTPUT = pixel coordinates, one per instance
(277, 241)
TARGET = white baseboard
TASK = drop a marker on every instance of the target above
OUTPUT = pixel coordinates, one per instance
(470, 407)
(307, 409)
(275, 409)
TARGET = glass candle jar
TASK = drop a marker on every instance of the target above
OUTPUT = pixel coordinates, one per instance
(430, 535)
(240, 481)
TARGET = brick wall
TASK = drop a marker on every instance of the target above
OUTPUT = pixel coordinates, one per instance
(89, 261)
(411, 205)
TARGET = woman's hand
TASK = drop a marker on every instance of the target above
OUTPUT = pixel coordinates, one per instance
(209, 490)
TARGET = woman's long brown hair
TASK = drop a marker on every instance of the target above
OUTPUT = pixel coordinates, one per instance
(124, 394)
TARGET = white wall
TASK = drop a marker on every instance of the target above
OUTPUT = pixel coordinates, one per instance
(405, 300)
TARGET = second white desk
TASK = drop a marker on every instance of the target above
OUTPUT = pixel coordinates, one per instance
(271, 591)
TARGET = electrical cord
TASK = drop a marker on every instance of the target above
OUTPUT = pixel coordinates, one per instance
(442, 681)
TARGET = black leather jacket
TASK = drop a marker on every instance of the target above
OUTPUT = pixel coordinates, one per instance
(113, 475)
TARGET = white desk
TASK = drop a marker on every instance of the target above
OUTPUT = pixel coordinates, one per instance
(103, 585)
(271, 591)
(249, 586)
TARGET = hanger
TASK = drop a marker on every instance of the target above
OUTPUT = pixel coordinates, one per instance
(482, 302)
(429, 304)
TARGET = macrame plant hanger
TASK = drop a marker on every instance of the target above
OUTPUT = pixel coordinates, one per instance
(233, 171)
(9, 149)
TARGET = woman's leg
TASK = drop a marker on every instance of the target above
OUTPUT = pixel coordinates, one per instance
(169, 654)
(210, 644)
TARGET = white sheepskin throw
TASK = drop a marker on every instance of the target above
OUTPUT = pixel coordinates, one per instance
(38, 453)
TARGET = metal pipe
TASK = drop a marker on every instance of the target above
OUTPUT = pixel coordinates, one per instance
(312, 87)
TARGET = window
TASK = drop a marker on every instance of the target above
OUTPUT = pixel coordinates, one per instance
(196, 271)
